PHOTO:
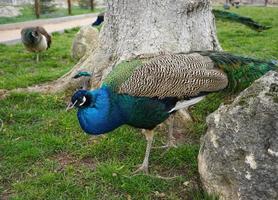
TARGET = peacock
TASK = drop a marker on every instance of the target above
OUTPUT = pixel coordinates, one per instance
(35, 39)
(233, 17)
(143, 94)
(219, 14)
(99, 20)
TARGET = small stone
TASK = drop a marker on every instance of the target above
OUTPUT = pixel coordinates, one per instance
(186, 183)
(159, 194)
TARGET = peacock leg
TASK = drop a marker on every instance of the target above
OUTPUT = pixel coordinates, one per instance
(145, 165)
(171, 139)
(37, 57)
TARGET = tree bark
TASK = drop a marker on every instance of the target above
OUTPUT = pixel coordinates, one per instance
(92, 4)
(133, 28)
(37, 8)
(265, 2)
(69, 7)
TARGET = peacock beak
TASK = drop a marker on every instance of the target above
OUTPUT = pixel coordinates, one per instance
(71, 105)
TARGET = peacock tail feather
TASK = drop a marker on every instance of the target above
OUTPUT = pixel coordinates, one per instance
(241, 71)
(233, 17)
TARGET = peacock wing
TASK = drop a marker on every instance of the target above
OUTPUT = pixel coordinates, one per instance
(172, 75)
(121, 73)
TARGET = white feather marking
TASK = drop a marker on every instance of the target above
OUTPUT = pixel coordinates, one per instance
(43, 44)
(186, 103)
(83, 101)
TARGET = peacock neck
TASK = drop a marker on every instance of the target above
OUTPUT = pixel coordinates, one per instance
(103, 115)
(29, 38)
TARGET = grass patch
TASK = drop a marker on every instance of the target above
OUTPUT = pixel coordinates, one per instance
(45, 155)
(28, 14)
(239, 39)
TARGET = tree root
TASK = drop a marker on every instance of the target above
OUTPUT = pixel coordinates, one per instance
(95, 64)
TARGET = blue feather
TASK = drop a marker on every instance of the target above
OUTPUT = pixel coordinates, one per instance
(106, 110)
(101, 116)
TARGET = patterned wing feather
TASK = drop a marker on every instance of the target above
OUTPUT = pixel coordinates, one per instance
(176, 75)
(121, 73)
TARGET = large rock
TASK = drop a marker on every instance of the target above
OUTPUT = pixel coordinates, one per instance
(238, 158)
(9, 11)
(15, 2)
(85, 41)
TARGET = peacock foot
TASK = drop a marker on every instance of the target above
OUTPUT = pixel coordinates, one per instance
(170, 144)
(143, 168)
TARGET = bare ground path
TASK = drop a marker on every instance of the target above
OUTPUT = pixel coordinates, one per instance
(10, 33)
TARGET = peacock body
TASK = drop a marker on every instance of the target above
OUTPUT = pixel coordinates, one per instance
(144, 94)
(108, 110)
(99, 20)
(35, 39)
(233, 17)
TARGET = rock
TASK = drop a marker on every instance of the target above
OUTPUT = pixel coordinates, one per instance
(238, 158)
(16, 2)
(85, 41)
(9, 11)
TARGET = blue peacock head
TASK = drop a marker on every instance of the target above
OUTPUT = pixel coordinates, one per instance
(80, 99)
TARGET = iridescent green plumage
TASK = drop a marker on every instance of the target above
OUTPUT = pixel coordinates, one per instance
(233, 17)
(121, 73)
(241, 70)
(82, 74)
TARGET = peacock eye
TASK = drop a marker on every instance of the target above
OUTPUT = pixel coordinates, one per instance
(83, 101)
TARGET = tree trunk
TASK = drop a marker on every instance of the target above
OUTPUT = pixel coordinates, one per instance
(69, 7)
(92, 4)
(265, 2)
(133, 28)
(37, 8)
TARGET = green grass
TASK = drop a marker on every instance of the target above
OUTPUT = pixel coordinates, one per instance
(238, 39)
(45, 155)
(28, 14)
(19, 69)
